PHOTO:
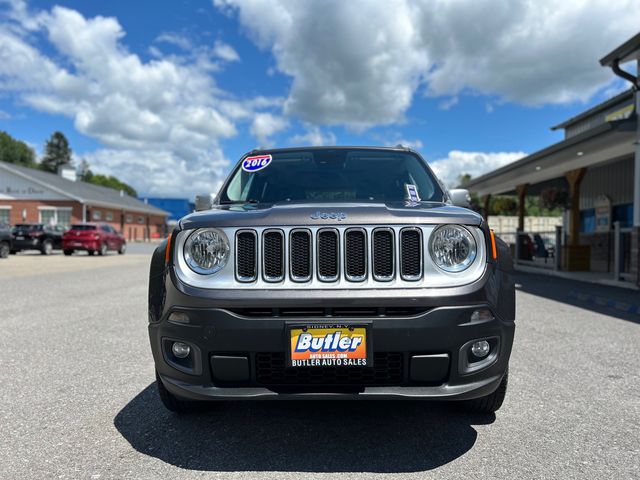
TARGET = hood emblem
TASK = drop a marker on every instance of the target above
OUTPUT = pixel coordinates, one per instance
(329, 216)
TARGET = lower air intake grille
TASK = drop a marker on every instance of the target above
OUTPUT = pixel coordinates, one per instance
(328, 261)
(246, 256)
(273, 256)
(271, 370)
(383, 261)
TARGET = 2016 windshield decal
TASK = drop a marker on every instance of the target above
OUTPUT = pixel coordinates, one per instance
(258, 162)
(329, 216)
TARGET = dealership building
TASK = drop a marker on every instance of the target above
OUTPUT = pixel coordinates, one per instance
(28, 195)
(598, 165)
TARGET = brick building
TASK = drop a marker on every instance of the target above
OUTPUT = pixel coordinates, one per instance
(33, 196)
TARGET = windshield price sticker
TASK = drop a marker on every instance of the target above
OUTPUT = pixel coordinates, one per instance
(329, 346)
(258, 162)
(412, 193)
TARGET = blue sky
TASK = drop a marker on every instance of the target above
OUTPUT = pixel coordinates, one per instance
(168, 95)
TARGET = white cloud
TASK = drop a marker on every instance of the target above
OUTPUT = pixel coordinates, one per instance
(474, 163)
(360, 62)
(158, 173)
(176, 39)
(225, 52)
(265, 125)
(315, 137)
(160, 122)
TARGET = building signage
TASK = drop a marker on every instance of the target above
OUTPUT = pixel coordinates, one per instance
(603, 213)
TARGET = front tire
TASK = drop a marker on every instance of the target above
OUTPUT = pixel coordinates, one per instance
(122, 249)
(47, 247)
(68, 252)
(490, 403)
(171, 402)
(90, 252)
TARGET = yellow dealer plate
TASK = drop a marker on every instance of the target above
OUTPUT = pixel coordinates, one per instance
(329, 346)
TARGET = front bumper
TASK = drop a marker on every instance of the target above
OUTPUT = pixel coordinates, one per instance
(26, 244)
(217, 329)
(80, 245)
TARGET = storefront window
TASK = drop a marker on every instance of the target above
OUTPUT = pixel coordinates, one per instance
(5, 215)
(60, 216)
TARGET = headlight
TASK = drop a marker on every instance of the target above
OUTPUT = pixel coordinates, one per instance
(452, 248)
(206, 251)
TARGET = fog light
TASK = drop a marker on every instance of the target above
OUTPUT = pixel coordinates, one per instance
(479, 349)
(182, 350)
(482, 315)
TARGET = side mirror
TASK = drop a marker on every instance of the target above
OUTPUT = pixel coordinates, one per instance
(460, 197)
(204, 201)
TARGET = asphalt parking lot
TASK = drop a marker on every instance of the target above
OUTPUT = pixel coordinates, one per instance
(77, 398)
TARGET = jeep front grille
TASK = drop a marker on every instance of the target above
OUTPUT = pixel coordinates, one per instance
(273, 255)
(333, 257)
(383, 254)
(300, 261)
(328, 255)
(300, 251)
(355, 254)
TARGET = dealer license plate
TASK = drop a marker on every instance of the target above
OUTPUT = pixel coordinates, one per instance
(332, 345)
(20, 237)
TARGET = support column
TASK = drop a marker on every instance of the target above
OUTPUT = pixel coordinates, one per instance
(636, 175)
(521, 190)
(485, 206)
(575, 257)
(574, 177)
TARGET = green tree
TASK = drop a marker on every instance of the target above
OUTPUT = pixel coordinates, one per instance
(56, 153)
(15, 151)
(503, 206)
(112, 182)
(464, 179)
(84, 171)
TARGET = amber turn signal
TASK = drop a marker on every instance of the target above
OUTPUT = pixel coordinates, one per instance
(494, 251)
(167, 251)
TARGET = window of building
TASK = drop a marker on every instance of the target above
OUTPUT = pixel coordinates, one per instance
(129, 218)
(60, 216)
(588, 220)
(141, 219)
(96, 215)
(109, 216)
(5, 215)
(623, 214)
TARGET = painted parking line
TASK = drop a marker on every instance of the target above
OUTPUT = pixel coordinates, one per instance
(606, 302)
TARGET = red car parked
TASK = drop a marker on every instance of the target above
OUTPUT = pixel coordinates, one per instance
(93, 237)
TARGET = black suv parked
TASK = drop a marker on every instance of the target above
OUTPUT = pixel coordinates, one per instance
(36, 236)
(5, 240)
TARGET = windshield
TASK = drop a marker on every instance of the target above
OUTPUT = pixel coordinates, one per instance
(332, 176)
(83, 227)
(28, 227)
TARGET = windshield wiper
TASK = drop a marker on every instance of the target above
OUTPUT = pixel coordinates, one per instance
(238, 202)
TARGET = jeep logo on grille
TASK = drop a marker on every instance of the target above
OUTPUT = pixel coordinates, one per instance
(329, 216)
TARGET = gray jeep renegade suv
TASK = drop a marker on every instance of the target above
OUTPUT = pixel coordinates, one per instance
(334, 272)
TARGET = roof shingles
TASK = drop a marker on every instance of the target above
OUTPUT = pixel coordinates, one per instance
(82, 191)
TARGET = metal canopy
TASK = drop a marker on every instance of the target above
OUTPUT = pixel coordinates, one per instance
(609, 141)
(628, 51)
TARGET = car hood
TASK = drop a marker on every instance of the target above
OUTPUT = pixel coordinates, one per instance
(323, 214)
